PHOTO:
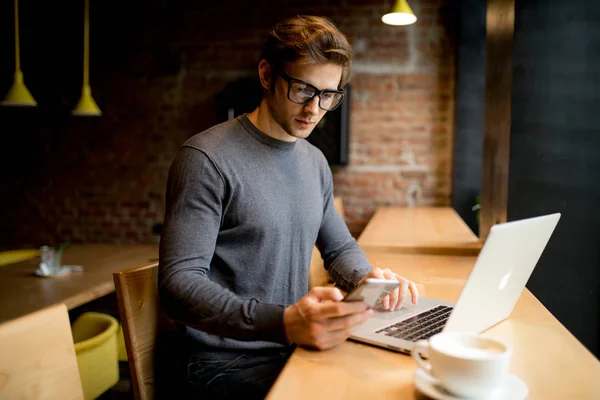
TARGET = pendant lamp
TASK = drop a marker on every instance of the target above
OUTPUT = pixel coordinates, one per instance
(86, 106)
(18, 95)
(401, 14)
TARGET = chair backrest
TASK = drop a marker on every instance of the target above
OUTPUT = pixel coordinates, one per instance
(142, 320)
(37, 357)
(138, 304)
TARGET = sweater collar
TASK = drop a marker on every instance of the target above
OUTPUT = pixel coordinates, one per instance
(262, 137)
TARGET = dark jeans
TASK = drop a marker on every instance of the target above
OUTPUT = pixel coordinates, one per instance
(235, 374)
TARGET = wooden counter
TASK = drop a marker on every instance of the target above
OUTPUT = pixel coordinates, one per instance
(22, 292)
(545, 355)
(433, 230)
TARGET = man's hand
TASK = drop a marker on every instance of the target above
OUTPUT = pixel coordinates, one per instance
(394, 300)
(321, 320)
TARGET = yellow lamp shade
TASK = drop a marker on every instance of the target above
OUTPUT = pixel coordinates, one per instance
(401, 14)
(18, 95)
(86, 106)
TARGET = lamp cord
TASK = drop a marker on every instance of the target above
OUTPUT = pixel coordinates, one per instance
(86, 44)
(17, 53)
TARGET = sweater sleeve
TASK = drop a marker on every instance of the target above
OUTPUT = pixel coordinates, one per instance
(195, 201)
(343, 258)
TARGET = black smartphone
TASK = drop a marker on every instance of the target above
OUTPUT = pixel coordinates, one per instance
(372, 291)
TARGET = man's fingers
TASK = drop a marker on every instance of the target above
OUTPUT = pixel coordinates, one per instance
(377, 273)
(414, 292)
(340, 309)
(348, 321)
(408, 288)
(402, 291)
(335, 337)
(323, 293)
(331, 340)
(392, 298)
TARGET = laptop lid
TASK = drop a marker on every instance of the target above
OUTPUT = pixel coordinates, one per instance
(491, 291)
(504, 265)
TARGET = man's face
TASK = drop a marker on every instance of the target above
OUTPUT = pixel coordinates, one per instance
(298, 120)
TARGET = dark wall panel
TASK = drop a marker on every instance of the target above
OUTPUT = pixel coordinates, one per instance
(470, 91)
(555, 153)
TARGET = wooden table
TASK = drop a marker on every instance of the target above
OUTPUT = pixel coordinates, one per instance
(427, 230)
(545, 355)
(22, 292)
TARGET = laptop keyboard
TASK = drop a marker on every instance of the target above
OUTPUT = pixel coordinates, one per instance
(421, 326)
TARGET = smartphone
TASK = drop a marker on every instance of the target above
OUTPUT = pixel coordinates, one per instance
(372, 291)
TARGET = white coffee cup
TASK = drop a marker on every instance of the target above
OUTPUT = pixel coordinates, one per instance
(465, 364)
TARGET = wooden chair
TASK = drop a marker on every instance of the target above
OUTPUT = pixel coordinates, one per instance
(37, 357)
(143, 321)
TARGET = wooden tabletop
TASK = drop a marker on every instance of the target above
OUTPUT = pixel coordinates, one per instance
(545, 355)
(22, 292)
(427, 230)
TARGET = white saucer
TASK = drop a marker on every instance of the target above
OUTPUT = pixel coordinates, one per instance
(513, 389)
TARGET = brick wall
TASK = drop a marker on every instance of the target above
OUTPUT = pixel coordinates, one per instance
(156, 68)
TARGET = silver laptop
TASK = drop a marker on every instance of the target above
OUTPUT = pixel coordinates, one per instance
(495, 283)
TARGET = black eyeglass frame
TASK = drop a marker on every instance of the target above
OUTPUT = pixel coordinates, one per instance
(317, 91)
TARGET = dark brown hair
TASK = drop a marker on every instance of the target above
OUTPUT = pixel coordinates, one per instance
(315, 38)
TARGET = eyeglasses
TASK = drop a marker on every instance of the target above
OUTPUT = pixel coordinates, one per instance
(300, 92)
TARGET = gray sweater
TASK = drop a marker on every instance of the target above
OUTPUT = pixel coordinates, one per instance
(243, 213)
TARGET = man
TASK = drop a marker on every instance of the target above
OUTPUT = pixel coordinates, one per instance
(246, 202)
